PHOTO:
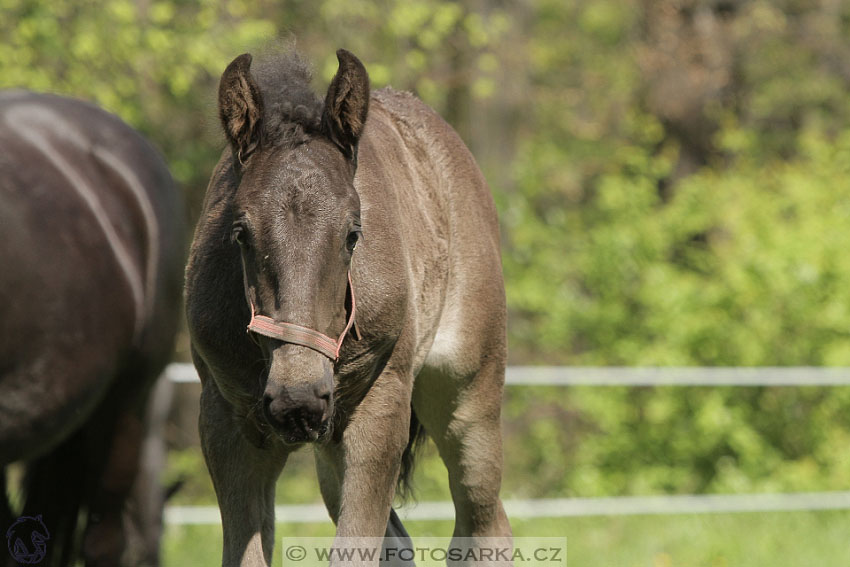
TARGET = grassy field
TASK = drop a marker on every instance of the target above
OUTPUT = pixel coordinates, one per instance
(781, 539)
(777, 539)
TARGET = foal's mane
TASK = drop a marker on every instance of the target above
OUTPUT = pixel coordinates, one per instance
(292, 110)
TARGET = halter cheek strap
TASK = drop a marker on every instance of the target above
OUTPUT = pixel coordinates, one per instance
(304, 336)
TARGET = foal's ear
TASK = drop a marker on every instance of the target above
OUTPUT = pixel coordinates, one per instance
(240, 107)
(347, 104)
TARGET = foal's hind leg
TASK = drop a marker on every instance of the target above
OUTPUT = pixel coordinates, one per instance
(461, 415)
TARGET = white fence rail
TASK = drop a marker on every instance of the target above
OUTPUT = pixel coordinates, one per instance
(649, 376)
(560, 507)
(626, 505)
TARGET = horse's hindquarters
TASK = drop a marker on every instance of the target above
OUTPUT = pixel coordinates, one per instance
(65, 334)
(91, 249)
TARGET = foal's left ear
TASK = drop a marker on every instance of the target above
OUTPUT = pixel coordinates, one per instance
(347, 104)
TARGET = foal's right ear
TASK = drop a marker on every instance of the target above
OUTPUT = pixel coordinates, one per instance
(240, 107)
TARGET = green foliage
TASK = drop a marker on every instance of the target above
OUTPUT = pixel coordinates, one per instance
(642, 234)
(670, 237)
(742, 266)
(609, 441)
(155, 64)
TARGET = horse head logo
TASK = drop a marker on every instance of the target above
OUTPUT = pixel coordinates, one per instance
(27, 540)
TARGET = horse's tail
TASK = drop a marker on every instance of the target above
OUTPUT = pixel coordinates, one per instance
(415, 440)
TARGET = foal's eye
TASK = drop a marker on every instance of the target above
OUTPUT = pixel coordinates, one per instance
(351, 241)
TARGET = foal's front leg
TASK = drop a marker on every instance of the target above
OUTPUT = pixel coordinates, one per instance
(371, 450)
(244, 479)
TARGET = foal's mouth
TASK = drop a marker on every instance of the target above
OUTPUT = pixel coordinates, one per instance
(300, 431)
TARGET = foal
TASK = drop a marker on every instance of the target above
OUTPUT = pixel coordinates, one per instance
(344, 289)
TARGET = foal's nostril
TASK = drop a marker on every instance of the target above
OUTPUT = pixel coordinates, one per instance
(323, 399)
(323, 392)
(267, 409)
(323, 402)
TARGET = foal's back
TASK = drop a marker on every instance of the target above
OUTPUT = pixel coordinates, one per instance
(445, 234)
(449, 244)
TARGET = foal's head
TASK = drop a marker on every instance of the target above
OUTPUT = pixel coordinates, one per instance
(296, 223)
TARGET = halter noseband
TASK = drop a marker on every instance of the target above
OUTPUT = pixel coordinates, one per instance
(304, 336)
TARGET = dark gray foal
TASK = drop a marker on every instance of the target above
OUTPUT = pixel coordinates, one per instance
(344, 287)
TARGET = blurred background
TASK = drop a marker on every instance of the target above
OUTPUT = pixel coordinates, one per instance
(672, 179)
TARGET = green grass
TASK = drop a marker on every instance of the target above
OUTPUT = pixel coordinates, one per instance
(780, 539)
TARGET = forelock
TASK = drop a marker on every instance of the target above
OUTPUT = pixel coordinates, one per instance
(292, 110)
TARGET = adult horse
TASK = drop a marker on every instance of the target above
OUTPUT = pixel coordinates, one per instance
(91, 249)
(357, 241)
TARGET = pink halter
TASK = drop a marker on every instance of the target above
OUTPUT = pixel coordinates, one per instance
(304, 336)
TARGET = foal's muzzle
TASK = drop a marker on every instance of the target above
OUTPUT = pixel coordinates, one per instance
(301, 412)
(298, 414)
